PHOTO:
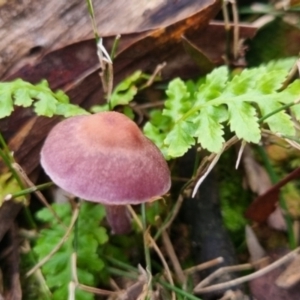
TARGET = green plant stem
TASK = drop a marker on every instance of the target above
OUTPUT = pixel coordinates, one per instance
(178, 290)
(121, 264)
(8, 160)
(122, 273)
(29, 190)
(274, 112)
(92, 16)
(274, 179)
(146, 247)
(115, 47)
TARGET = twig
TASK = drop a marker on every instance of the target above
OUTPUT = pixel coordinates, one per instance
(222, 270)
(173, 257)
(227, 29)
(236, 29)
(203, 266)
(97, 291)
(207, 161)
(148, 105)
(252, 276)
(61, 242)
(240, 154)
(211, 166)
(154, 74)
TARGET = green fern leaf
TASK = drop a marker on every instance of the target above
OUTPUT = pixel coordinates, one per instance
(209, 132)
(45, 101)
(243, 121)
(180, 139)
(201, 110)
(90, 235)
(178, 102)
(6, 101)
(23, 97)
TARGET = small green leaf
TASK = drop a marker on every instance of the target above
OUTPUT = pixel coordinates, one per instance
(6, 101)
(45, 102)
(242, 83)
(272, 81)
(243, 121)
(46, 105)
(99, 108)
(126, 90)
(123, 98)
(62, 97)
(180, 139)
(156, 136)
(209, 130)
(212, 86)
(69, 110)
(23, 97)
(178, 100)
(284, 64)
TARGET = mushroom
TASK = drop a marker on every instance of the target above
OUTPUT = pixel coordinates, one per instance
(105, 158)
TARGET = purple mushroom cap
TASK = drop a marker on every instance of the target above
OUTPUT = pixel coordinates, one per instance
(105, 158)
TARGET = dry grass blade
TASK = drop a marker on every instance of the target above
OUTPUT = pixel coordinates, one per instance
(203, 266)
(229, 284)
(202, 178)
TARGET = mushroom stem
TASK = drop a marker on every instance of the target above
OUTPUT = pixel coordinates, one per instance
(118, 218)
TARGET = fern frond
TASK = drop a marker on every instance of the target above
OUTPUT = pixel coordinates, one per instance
(220, 100)
(44, 100)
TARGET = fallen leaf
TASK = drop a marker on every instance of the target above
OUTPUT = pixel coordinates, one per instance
(265, 204)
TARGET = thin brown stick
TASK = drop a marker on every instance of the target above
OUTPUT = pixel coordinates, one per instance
(148, 105)
(206, 265)
(154, 74)
(96, 291)
(205, 164)
(261, 272)
(236, 29)
(173, 257)
(222, 270)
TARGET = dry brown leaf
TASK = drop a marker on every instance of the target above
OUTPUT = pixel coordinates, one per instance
(291, 276)
(257, 178)
(256, 251)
